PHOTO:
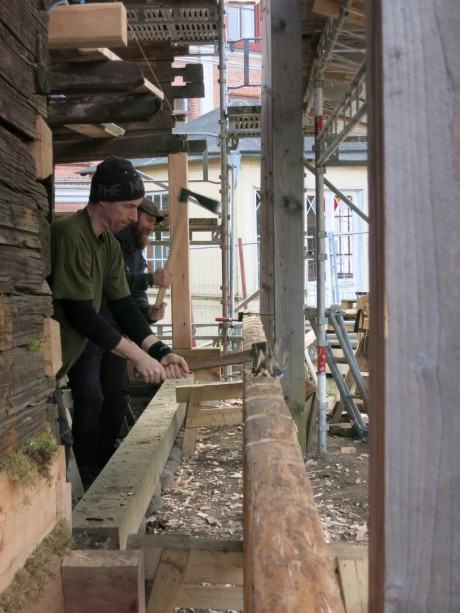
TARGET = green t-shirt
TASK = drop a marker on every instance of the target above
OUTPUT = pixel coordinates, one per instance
(84, 267)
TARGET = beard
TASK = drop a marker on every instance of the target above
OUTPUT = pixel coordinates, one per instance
(141, 237)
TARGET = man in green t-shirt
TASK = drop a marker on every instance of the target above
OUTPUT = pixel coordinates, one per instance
(86, 264)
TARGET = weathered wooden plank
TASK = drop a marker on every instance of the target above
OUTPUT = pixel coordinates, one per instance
(414, 98)
(21, 317)
(18, 165)
(279, 506)
(88, 25)
(353, 577)
(21, 271)
(24, 524)
(215, 597)
(23, 378)
(103, 581)
(18, 427)
(167, 580)
(24, 21)
(95, 77)
(19, 220)
(116, 502)
(102, 108)
(126, 146)
(19, 103)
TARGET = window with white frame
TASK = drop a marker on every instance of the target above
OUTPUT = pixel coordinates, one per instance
(157, 251)
(241, 22)
(343, 231)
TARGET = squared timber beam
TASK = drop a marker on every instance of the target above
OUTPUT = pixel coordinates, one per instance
(114, 580)
(115, 504)
(42, 149)
(88, 25)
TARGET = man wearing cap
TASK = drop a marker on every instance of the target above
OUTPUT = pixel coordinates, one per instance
(86, 264)
(133, 239)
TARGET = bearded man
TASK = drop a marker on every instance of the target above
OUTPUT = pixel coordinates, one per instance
(133, 239)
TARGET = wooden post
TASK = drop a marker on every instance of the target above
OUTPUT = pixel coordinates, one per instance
(282, 190)
(414, 355)
(178, 223)
(285, 559)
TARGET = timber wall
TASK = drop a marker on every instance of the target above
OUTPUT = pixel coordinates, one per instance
(25, 299)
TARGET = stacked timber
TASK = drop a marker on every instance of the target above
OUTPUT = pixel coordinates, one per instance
(25, 158)
(35, 498)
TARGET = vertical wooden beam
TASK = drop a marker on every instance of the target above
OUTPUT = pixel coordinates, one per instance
(282, 188)
(414, 191)
(178, 221)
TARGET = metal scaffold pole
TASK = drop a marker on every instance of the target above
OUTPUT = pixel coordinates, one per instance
(224, 175)
(320, 268)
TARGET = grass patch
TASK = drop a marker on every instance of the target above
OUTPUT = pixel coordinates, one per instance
(32, 461)
(30, 582)
(36, 344)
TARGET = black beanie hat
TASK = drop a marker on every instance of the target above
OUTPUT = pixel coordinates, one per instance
(116, 180)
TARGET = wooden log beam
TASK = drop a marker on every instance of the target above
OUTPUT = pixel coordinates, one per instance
(95, 77)
(95, 580)
(189, 90)
(102, 108)
(88, 25)
(151, 51)
(279, 507)
(125, 146)
(164, 72)
(162, 121)
(115, 504)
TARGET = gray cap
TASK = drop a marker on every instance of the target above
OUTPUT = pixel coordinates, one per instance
(149, 207)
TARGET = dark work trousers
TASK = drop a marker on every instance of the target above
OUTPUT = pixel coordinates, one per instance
(99, 384)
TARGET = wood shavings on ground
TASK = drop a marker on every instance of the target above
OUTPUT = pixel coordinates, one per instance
(207, 498)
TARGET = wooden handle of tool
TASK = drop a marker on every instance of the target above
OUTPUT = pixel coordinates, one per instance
(160, 296)
(236, 357)
(177, 238)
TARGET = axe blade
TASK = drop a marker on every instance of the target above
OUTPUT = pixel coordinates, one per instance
(208, 203)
